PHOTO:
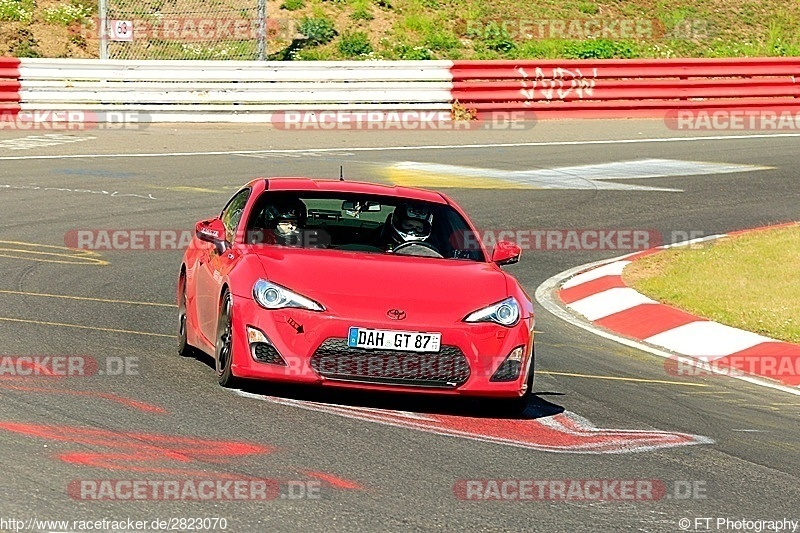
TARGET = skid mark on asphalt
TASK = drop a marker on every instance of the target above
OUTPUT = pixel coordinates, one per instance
(139, 452)
(127, 402)
(25, 374)
(189, 189)
(49, 254)
(155, 453)
(564, 432)
(101, 192)
(294, 155)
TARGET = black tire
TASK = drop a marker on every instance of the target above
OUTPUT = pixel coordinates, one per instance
(184, 348)
(224, 344)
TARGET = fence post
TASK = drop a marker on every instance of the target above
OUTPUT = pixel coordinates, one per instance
(262, 30)
(102, 27)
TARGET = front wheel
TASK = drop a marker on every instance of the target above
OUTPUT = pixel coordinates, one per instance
(184, 348)
(224, 344)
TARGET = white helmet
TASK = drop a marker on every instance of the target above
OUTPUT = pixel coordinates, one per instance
(411, 223)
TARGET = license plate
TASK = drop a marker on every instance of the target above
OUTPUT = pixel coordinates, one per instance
(384, 339)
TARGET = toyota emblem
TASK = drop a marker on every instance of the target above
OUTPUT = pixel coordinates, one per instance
(396, 314)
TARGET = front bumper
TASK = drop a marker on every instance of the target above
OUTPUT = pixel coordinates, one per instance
(313, 350)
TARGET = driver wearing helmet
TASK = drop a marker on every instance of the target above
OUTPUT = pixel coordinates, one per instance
(410, 223)
(286, 218)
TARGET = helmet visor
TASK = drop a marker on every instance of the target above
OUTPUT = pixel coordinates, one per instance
(413, 227)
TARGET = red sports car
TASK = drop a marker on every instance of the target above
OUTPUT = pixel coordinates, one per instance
(353, 284)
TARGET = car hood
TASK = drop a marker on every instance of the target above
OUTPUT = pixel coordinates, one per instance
(366, 285)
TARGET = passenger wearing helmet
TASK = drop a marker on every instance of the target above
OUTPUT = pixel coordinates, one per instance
(286, 218)
(410, 223)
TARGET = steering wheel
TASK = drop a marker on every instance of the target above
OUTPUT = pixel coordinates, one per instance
(418, 248)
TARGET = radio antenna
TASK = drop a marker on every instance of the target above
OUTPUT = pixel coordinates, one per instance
(341, 172)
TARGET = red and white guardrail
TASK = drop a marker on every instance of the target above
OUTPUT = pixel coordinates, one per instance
(9, 85)
(617, 88)
(221, 91)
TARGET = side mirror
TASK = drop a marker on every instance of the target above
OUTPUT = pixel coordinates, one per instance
(506, 253)
(212, 231)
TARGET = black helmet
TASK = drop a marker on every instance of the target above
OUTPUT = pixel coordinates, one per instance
(411, 223)
(286, 217)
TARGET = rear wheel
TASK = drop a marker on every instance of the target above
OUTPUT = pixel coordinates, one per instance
(184, 348)
(224, 344)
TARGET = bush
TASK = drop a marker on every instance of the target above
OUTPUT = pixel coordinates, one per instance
(355, 44)
(588, 7)
(26, 45)
(361, 14)
(16, 10)
(414, 53)
(317, 30)
(292, 5)
(442, 42)
(66, 14)
(500, 44)
(600, 49)
(498, 39)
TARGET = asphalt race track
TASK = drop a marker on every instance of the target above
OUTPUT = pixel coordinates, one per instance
(713, 447)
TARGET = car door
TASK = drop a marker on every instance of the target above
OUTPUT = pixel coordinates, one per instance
(213, 266)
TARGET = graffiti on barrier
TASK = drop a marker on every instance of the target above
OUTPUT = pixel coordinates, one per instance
(557, 84)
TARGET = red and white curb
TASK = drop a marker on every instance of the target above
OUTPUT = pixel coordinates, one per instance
(595, 298)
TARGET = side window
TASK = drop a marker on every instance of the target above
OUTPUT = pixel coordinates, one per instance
(232, 213)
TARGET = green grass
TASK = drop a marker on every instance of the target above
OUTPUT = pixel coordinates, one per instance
(66, 14)
(355, 44)
(292, 5)
(16, 10)
(445, 29)
(751, 281)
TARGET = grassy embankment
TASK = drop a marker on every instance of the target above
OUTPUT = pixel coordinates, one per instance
(442, 29)
(751, 281)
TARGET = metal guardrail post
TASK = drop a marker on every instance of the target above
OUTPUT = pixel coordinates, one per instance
(262, 30)
(102, 24)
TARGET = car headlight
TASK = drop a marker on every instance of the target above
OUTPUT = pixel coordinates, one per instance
(272, 296)
(505, 313)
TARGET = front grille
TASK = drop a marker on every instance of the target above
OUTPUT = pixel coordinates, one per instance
(335, 360)
(266, 353)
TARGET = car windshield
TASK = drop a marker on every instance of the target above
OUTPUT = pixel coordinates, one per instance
(361, 223)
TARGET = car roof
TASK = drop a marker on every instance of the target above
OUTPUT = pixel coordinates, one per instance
(359, 187)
